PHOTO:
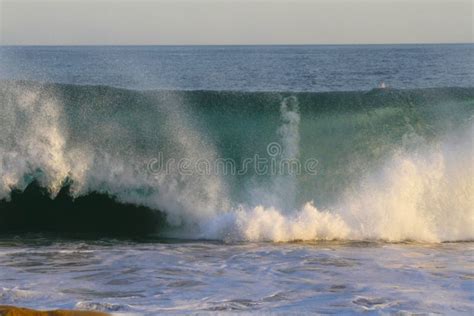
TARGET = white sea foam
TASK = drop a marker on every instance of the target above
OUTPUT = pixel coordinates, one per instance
(416, 197)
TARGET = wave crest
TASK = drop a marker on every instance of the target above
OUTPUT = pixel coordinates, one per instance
(394, 165)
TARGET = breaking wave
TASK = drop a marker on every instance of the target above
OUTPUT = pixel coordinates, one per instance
(392, 165)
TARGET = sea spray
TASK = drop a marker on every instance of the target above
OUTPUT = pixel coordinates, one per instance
(283, 153)
(186, 197)
(33, 141)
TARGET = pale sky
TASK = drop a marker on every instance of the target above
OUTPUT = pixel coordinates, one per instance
(178, 22)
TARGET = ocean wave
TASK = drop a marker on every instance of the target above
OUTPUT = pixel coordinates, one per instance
(392, 164)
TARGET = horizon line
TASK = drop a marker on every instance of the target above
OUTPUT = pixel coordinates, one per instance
(272, 44)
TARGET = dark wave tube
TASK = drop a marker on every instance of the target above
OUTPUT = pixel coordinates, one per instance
(33, 210)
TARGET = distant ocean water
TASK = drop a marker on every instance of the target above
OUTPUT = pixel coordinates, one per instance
(245, 68)
(282, 179)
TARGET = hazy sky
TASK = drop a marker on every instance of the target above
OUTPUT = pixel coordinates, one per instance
(64, 22)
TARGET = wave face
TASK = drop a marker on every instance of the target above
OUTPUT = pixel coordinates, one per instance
(385, 164)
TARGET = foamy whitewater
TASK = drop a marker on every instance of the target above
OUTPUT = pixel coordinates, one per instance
(378, 214)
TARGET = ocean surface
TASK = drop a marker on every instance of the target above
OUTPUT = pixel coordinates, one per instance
(250, 179)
